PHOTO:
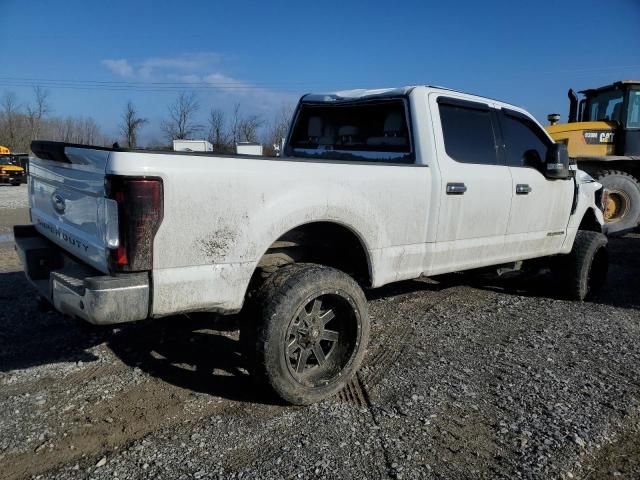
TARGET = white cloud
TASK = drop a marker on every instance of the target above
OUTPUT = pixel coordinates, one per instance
(262, 99)
(225, 83)
(202, 72)
(119, 67)
(185, 62)
(152, 68)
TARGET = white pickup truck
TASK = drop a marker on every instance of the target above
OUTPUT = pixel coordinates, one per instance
(374, 186)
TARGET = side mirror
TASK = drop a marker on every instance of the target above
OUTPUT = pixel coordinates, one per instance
(557, 162)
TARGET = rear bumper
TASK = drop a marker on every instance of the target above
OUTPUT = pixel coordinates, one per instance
(76, 289)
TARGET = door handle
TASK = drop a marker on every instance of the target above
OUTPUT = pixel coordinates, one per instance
(456, 188)
(523, 189)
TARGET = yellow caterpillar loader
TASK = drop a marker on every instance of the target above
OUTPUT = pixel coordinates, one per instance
(603, 137)
(10, 170)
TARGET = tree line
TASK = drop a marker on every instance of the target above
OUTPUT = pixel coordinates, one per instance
(21, 123)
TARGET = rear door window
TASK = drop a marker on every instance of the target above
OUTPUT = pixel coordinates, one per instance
(468, 131)
(371, 131)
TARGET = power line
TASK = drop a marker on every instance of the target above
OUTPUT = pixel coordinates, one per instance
(149, 86)
(211, 86)
(141, 88)
(146, 83)
(241, 84)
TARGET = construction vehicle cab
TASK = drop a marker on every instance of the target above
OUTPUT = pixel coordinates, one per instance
(603, 136)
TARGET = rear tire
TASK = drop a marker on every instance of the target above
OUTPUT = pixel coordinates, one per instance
(305, 332)
(584, 271)
(622, 213)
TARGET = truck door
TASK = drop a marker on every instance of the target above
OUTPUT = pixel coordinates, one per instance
(475, 185)
(540, 207)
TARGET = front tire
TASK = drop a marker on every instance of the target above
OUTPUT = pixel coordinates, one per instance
(622, 212)
(584, 271)
(305, 333)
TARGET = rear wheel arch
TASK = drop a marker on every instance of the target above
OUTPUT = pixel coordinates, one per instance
(328, 243)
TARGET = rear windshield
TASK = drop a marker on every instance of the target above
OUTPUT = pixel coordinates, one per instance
(372, 131)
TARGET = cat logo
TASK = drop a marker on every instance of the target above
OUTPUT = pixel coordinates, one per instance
(606, 137)
(598, 137)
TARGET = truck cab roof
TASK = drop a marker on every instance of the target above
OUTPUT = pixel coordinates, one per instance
(382, 93)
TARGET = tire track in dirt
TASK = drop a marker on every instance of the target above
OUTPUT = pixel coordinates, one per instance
(395, 337)
(391, 343)
(53, 385)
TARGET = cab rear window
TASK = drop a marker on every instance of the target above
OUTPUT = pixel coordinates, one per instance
(372, 131)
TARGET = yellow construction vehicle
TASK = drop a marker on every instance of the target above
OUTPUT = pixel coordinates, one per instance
(603, 137)
(10, 169)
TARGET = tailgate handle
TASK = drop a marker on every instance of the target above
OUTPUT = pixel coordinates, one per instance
(456, 188)
(523, 189)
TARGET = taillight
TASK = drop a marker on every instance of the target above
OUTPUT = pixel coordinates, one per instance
(140, 212)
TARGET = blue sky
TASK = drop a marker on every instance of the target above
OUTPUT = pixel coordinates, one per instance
(265, 54)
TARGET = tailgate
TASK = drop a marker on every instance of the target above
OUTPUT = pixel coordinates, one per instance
(67, 199)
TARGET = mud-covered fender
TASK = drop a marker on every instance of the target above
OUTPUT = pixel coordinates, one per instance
(295, 208)
(585, 203)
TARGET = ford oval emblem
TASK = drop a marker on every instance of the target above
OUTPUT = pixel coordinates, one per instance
(58, 203)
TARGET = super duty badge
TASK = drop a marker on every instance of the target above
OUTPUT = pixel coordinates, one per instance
(64, 236)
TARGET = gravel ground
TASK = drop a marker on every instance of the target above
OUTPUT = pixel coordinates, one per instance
(14, 205)
(13, 197)
(465, 377)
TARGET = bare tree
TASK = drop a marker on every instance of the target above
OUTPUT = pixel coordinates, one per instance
(74, 130)
(244, 129)
(278, 129)
(248, 128)
(37, 111)
(181, 123)
(19, 126)
(10, 114)
(218, 134)
(235, 125)
(55, 129)
(70, 131)
(88, 132)
(131, 124)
